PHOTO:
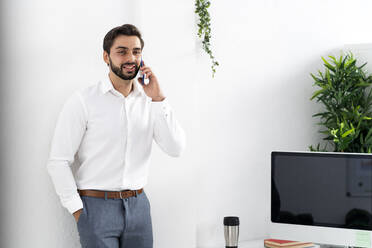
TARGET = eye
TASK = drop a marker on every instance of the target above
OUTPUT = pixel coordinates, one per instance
(122, 52)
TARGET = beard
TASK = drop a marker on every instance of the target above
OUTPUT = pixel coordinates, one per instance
(118, 71)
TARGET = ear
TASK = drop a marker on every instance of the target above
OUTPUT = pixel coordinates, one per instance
(106, 57)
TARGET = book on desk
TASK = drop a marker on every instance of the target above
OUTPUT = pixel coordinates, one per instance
(278, 243)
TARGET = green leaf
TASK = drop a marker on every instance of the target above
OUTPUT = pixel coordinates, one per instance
(317, 93)
(333, 58)
(368, 141)
(332, 68)
(363, 84)
(314, 77)
(328, 78)
(320, 114)
(360, 67)
(347, 133)
(341, 61)
(369, 133)
(350, 63)
(328, 64)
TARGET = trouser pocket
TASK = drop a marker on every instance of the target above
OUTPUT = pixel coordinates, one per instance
(84, 212)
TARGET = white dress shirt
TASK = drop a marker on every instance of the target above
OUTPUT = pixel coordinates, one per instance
(112, 136)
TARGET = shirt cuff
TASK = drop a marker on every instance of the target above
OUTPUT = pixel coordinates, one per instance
(74, 204)
(161, 108)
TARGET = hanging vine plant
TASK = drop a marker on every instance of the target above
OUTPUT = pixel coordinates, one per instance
(204, 31)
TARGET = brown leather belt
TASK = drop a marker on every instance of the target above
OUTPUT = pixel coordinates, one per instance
(110, 194)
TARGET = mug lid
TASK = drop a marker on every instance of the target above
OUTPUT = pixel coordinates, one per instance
(231, 221)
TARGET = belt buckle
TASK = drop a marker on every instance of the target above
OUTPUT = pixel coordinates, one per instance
(121, 197)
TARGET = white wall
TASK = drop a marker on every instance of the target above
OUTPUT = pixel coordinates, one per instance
(51, 49)
(259, 99)
(257, 102)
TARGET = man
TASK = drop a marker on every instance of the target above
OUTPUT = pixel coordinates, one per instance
(110, 126)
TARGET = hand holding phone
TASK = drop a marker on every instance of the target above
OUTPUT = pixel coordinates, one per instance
(152, 88)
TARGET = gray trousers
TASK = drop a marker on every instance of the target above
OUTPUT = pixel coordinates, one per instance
(115, 223)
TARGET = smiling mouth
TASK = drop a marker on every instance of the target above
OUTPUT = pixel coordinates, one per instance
(129, 68)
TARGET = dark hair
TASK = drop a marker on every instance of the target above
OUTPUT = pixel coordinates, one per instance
(126, 29)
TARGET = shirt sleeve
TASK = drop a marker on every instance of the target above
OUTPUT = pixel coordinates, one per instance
(168, 134)
(68, 133)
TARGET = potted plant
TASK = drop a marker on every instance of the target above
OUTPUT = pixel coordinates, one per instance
(347, 99)
(204, 29)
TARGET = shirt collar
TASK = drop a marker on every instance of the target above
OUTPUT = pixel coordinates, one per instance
(106, 85)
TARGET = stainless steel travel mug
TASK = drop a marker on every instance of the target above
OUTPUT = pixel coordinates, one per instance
(231, 229)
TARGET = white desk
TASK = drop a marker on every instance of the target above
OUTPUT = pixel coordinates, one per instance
(257, 243)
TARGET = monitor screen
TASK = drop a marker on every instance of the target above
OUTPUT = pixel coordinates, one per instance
(322, 189)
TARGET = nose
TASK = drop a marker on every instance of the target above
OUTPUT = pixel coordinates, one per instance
(131, 58)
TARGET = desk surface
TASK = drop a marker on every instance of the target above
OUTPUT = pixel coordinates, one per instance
(257, 243)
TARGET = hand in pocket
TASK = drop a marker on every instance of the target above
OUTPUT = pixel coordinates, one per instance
(77, 214)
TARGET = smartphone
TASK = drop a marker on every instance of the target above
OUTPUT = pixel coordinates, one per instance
(143, 75)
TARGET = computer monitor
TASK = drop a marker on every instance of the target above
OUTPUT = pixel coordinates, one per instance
(321, 197)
